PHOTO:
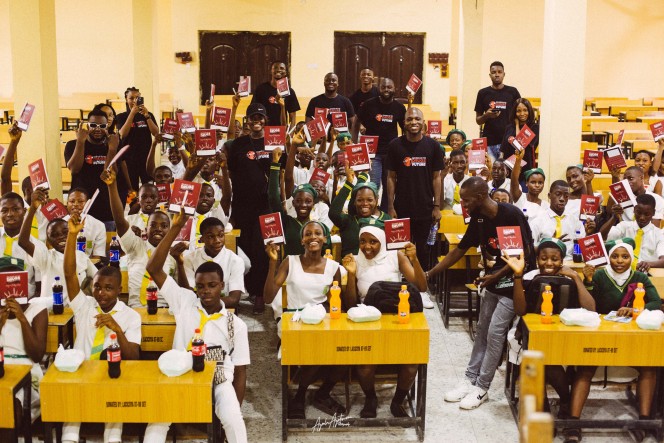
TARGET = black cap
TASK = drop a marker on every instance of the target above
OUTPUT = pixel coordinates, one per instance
(256, 108)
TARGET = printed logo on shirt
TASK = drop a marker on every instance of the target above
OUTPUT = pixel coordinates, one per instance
(415, 161)
(272, 100)
(251, 155)
(498, 105)
(385, 118)
(140, 124)
(95, 159)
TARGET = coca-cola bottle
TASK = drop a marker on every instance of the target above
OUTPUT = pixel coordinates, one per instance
(58, 299)
(198, 351)
(114, 253)
(2, 361)
(151, 296)
(114, 357)
(81, 241)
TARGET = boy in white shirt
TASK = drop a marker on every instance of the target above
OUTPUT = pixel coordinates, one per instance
(499, 178)
(204, 210)
(148, 199)
(96, 318)
(95, 231)
(225, 335)
(12, 213)
(452, 182)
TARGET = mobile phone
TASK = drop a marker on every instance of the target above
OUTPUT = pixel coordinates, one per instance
(140, 101)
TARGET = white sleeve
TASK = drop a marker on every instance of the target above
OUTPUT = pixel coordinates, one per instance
(99, 243)
(188, 265)
(240, 356)
(40, 256)
(129, 241)
(615, 232)
(659, 209)
(235, 281)
(659, 249)
(176, 296)
(132, 330)
(535, 229)
(79, 304)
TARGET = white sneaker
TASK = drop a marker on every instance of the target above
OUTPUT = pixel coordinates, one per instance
(426, 300)
(460, 392)
(475, 397)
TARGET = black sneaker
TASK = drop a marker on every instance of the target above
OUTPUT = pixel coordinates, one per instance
(398, 410)
(369, 409)
(328, 405)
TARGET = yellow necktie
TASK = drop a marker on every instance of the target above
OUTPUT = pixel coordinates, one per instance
(197, 237)
(98, 342)
(638, 238)
(34, 229)
(559, 226)
(9, 243)
(457, 195)
(145, 283)
(204, 319)
(144, 217)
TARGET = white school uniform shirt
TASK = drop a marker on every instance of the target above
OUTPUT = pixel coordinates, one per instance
(95, 236)
(302, 175)
(652, 243)
(544, 225)
(177, 170)
(140, 220)
(448, 189)
(532, 209)
(628, 213)
(320, 212)
(194, 236)
(85, 313)
(51, 264)
(186, 308)
(18, 252)
(506, 185)
(305, 287)
(137, 259)
(231, 264)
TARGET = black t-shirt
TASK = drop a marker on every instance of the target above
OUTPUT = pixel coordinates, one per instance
(265, 94)
(414, 164)
(495, 128)
(382, 119)
(88, 178)
(482, 232)
(340, 102)
(139, 137)
(508, 149)
(359, 97)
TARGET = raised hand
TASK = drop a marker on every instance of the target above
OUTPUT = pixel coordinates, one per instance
(108, 176)
(276, 155)
(349, 263)
(272, 251)
(82, 132)
(39, 197)
(14, 132)
(74, 224)
(517, 264)
(411, 252)
(180, 219)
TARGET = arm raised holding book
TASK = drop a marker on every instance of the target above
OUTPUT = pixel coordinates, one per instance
(121, 223)
(155, 266)
(39, 197)
(75, 163)
(515, 186)
(231, 126)
(273, 184)
(69, 262)
(10, 154)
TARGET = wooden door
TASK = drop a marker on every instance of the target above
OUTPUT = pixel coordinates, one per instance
(225, 56)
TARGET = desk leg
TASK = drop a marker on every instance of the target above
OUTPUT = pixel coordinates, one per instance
(27, 416)
(421, 399)
(212, 426)
(284, 403)
(446, 299)
(48, 432)
(70, 333)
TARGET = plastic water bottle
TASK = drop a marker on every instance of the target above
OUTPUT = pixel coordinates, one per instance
(58, 299)
(152, 297)
(577, 257)
(433, 233)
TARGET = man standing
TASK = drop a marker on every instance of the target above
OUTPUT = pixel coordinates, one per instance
(381, 116)
(330, 100)
(367, 89)
(493, 106)
(497, 310)
(266, 94)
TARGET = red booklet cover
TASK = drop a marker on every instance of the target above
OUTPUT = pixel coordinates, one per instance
(339, 121)
(372, 143)
(479, 143)
(621, 136)
(476, 159)
(593, 250)
(511, 161)
(397, 233)
(271, 228)
(283, 89)
(657, 130)
(622, 194)
(26, 116)
(358, 157)
(170, 128)
(186, 121)
(244, 86)
(614, 158)
(322, 112)
(523, 138)
(414, 84)
(14, 285)
(275, 137)
(54, 209)
(315, 129)
(206, 142)
(341, 158)
(38, 175)
(589, 207)
(593, 160)
(509, 239)
(465, 214)
(164, 190)
(435, 128)
(321, 175)
(184, 194)
(185, 232)
(221, 118)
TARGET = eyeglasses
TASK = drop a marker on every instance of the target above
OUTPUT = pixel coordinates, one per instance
(97, 125)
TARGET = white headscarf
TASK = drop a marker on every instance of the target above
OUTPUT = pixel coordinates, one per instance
(620, 278)
(382, 253)
(383, 267)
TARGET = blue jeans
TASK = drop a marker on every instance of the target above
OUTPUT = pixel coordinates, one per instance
(379, 177)
(494, 152)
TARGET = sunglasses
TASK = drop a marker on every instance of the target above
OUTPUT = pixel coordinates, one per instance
(97, 125)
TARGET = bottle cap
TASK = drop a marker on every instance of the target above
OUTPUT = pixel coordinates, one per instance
(114, 337)
(403, 287)
(335, 283)
(327, 251)
(197, 331)
(547, 288)
(57, 278)
(639, 285)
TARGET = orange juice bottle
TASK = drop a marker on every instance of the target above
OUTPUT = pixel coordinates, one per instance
(335, 300)
(328, 254)
(547, 305)
(404, 306)
(639, 303)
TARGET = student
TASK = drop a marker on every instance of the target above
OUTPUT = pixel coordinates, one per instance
(452, 182)
(501, 196)
(12, 214)
(644, 160)
(330, 99)
(634, 176)
(527, 298)
(148, 199)
(111, 116)
(224, 333)
(50, 261)
(204, 210)
(580, 183)
(95, 231)
(499, 178)
(555, 222)
(456, 139)
(521, 114)
(530, 202)
(608, 287)
(163, 175)
(375, 263)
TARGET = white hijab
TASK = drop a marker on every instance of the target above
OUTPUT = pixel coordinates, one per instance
(620, 278)
(379, 268)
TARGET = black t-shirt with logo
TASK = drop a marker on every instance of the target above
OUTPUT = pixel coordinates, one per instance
(382, 119)
(339, 102)
(503, 99)
(414, 164)
(265, 94)
(358, 98)
(139, 137)
(88, 178)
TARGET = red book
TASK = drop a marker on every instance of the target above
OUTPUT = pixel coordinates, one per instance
(271, 228)
(414, 84)
(54, 209)
(593, 250)
(14, 285)
(476, 159)
(622, 194)
(275, 137)
(465, 214)
(358, 157)
(185, 232)
(397, 233)
(186, 121)
(523, 138)
(322, 112)
(372, 143)
(244, 86)
(164, 190)
(479, 143)
(589, 207)
(593, 160)
(511, 161)
(170, 128)
(38, 175)
(509, 239)
(341, 158)
(2, 151)
(657, 130)
(614, 158)
(435, 128)
(212, 91)
(339, 121)
(320, 175)
(26, 116)
(184, 194)
(315, 129)
(221, 118)
(206, 142)
(283, 89)
(621, 136)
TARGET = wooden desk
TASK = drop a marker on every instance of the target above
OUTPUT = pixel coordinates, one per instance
(231, 240)
(586, 120)
(16, 377)
(156, 330)
(60, 330)
(142, 394)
